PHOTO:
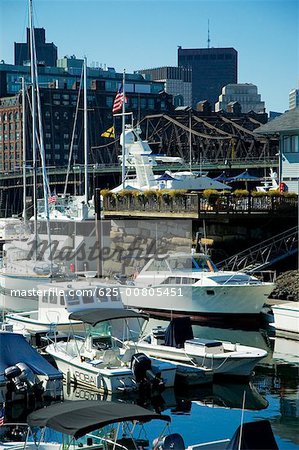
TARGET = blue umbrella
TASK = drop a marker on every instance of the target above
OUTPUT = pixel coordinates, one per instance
(245, 176)
(222, 177)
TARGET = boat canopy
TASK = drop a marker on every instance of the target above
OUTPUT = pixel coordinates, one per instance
(15, 349)
(81, 417)
(94, 316)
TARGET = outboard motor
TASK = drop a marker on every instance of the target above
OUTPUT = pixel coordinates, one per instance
(142, 370)
(26, 375)
(12, 374)
(171, 442)
(21, 377)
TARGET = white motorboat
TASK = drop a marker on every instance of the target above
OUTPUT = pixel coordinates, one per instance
(190, 284)
(176, 344)
(139, 158)
(56, 301)
(286, 318)
(20, 274)
(100, 362)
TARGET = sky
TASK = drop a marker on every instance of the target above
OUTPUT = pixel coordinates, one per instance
(138, 34)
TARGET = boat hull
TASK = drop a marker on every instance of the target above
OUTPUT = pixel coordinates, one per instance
(109, 380)
(286, 317)
(200, 301)
(236, 361)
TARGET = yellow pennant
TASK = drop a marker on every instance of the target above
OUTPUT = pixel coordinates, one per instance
(109, 133)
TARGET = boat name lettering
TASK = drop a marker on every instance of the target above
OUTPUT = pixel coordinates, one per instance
(84, 377)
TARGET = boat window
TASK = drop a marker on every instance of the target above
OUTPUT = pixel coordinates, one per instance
(157, 265)
(62, 300)
(203, 264)
(87, 298)
(210, 292)
(101, 295)
(72, 299)
(52, 298)
(45, 298)
(180, 263)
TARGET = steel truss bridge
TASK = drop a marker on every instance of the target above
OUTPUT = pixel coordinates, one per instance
(213, 138)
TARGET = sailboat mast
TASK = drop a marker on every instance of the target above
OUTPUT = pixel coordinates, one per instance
(33, 107)
(190, 140)
(24, 147)
(85, 134)
(123, 166)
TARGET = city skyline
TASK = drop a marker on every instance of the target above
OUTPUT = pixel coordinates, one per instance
(134, 34)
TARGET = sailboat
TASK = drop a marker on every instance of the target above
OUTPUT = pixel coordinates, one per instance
(65, 207)
(21, 268)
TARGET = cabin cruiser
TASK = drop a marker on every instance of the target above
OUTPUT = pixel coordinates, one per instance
(56, 301)
(191, 284)
(176, 344)
(99, 360)
(139, 158)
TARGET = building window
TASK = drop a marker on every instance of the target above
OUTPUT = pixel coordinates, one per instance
(290, 144)
(109, 101)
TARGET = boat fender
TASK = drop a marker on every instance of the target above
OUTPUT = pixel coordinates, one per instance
(173, 441)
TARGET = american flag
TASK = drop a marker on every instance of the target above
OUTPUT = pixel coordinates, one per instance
(2, 415)
(119, 99)
(52, 199)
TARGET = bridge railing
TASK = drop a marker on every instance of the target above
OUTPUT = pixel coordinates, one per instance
(198, 204)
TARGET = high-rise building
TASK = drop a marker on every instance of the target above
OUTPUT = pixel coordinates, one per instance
(294, 98)
(58, 108)
(177, 82)
(212, 69)
(246, 94)
(46, 52)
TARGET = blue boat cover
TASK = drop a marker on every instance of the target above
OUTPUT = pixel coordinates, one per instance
(178, 332)
(15, 349)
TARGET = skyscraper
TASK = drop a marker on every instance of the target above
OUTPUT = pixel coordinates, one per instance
(212, 69)
(46, 52)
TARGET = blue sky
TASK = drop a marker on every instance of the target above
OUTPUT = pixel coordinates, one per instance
(136, 34)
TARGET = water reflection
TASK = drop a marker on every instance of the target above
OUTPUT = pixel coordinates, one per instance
(214, 412)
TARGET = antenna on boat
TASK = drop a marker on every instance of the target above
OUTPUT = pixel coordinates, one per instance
(209, 40)
(242, 420)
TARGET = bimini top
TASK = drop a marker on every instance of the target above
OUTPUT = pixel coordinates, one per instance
(94, 316)
(81, 417)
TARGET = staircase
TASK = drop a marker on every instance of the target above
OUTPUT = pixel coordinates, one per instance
(265, 254)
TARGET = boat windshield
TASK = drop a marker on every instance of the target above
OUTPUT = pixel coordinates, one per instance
(203, 263)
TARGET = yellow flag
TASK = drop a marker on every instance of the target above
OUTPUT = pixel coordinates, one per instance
(109, 133)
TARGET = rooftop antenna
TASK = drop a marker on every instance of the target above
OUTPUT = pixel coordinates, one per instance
(209, 40)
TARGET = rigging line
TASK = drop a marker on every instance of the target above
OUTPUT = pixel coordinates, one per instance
(73, 135)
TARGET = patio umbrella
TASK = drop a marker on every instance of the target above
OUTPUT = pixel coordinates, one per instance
(246, 177)
(223, 178)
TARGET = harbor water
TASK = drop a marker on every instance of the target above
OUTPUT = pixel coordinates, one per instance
(208, 413)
